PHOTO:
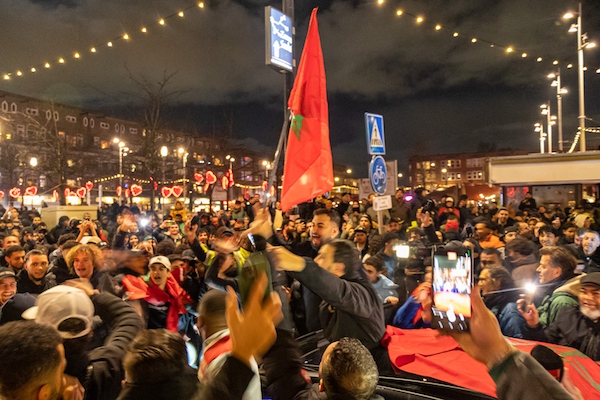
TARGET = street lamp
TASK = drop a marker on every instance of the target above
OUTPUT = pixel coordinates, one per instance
(550, 120)
(164, 152)
(540, 128)
(559, 92)
(122, 152)
(33, 162)
(581, 44)
(184, 155)
(445, 176)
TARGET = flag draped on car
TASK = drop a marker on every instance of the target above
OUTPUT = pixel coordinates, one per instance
(308, 167)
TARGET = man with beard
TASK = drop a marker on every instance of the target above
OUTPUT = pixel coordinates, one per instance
(33, 278)
(576, 326)
(591, 256)
(496, 283)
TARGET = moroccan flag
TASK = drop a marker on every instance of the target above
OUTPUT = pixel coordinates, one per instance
(308, 168)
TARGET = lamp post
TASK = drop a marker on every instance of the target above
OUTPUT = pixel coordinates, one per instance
(184, 155)
(445, 176)
(122, 151)
(550, 120)
(559, 92)
(581, 44)
(164, 152)
(540, 128)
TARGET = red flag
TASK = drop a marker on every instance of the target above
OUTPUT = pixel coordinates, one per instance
(308, 168)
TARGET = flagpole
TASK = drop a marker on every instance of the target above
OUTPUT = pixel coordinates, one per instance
(284, 132)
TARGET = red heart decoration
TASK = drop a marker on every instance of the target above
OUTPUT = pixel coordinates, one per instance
(177, 191)
(225, 182)
(127, 192)
(31, 191)
(136, 190)
(206, 186)
(89, 185)
(198, 177)
(1, 194)
(55, 194)
(72, 193)
(119, 190)
(67, 192)
(264, 186)
(14, 192)
(166, 191)
(210, 177)
(81, 192)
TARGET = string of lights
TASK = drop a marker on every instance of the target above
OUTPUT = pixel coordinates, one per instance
(94, 49)
(419, 19)
(507, 49)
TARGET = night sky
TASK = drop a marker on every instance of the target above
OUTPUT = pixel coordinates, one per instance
(437, 93)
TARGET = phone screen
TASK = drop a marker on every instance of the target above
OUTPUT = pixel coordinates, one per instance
(452, 283)
(255, 264)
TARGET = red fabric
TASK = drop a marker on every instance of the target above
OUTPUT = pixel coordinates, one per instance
(422, 352)
(138, 289)
(222, 346)
(308, 169)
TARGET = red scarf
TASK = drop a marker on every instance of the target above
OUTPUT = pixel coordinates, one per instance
(174, 295)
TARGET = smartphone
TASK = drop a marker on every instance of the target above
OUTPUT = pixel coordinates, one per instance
(452, 284)
(254, 265)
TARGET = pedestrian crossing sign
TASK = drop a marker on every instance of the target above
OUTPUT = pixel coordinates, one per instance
(375, 137)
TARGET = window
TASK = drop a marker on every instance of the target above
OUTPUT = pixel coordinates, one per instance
(452, 163)
(133, 130)
(71, 118)
(104, 144)
(20, 130)
(475, 162)
(32, 131)
(48, 114)
(31, 111)
(71, 140)
(13, 107)
(453, 176)
(97, 141)
(5, 106)
(56, 116)
(92, 123)
(79, 140)
(104, 125)
(85, 121)
(474, 175)
(122, 128)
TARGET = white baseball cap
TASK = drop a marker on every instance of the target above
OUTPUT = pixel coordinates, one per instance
(160, 260)
(56, 305)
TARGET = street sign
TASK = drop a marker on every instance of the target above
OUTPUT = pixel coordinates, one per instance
(378, 175)
(279, 42)
(375, 136)
(381, 203)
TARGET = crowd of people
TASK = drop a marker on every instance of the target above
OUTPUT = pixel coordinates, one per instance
(130, 304)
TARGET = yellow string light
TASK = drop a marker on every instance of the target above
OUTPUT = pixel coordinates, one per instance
(126, 36)
(109, 44)
(399, 12)
(144, 30)
(523, 55)
(61, 60)
(180, 13)
(420, 20)
(161, 21)
(201, 4)
(76, 55)
(6, 77)
(539, 59)
(93, 50)
(455, 34)
(474, 40)
(380, 2)
(509, 49)
(19, 73)
(33, 69)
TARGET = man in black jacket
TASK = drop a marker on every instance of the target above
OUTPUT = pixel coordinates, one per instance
(350, 306)
(33, 278)
(71, 311)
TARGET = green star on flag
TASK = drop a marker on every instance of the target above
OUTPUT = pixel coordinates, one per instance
(297, 125)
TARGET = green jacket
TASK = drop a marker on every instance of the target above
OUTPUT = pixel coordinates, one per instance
(563, 296)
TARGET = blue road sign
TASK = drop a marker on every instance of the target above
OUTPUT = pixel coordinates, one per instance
(279, 39)
(375, 137)
(378, 175)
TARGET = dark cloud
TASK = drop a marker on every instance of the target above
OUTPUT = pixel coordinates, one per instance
(436, 92)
